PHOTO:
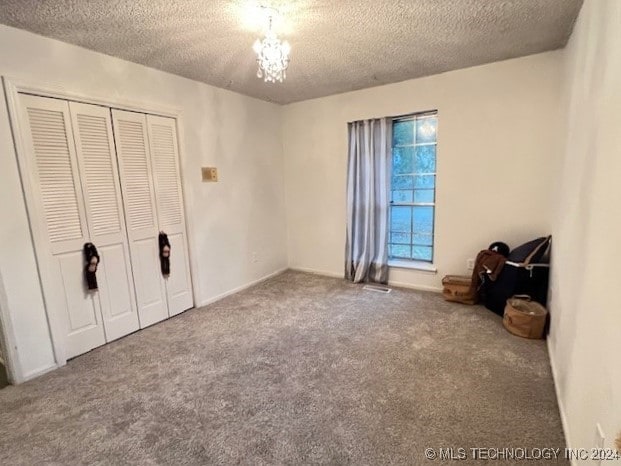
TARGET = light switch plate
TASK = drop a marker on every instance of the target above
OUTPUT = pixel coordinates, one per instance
(209, 173)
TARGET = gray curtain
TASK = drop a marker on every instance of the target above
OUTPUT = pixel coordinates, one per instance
(368, 172)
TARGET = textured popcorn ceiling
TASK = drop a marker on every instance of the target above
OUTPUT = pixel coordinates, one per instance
(337, 45)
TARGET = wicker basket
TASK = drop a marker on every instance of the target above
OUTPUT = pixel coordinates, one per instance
(456, 288)
(525, 318)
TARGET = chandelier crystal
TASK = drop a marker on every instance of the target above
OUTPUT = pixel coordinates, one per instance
(272, 56)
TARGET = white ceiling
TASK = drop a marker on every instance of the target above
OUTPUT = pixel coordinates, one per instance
(337, 45)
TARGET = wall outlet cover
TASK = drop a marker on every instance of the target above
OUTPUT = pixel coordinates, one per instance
(209, 173)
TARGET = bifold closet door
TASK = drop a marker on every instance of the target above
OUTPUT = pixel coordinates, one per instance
(50, 176)
(134, 160)
(169, 200)
(92, 129)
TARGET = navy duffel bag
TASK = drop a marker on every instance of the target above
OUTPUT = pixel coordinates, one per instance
(526, 272)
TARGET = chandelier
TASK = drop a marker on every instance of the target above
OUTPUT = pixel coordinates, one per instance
(272, 56)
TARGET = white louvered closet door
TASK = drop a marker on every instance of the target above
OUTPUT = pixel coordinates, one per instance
(56, 208)
(92, 129)
(130, 134)
(169, 201)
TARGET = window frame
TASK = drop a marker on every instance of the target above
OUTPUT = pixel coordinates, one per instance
(422, 264)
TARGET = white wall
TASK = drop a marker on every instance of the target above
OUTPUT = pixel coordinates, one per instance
(585, 339)
(244, 212)
(498, 152)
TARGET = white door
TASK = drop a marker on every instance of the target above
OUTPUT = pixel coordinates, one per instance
(56, 208)
(92, 130)
(130, 134)
(170, 212)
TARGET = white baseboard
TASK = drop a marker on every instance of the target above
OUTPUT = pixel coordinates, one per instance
(390, 282)
(415, 287)
(318, 272)
(559, 400)
(241, 288)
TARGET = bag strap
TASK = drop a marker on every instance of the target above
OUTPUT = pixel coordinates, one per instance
(523, 297)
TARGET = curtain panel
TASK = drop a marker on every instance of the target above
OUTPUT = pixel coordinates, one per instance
(368, 184)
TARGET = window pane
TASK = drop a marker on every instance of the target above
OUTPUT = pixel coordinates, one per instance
(422, 239)
(402, 160)
(402, 132)
(400, 252)
(424, 195)
(413, 182)
(402, 196)
(401, 219)
(401, 238)
(403, 182)
(422, 253)
(425, 181)
(426, 129)
(425, 159)
(423, 220)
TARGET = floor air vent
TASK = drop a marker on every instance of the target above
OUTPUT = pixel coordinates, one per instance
(377, 288)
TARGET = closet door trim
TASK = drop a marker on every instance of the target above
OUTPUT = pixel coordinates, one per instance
(13, 86)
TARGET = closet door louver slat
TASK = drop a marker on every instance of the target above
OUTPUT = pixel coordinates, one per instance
(137, 183)
(99, 178)
(166, 174)
(55, 173)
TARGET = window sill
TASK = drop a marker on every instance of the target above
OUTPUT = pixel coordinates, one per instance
(414, 265)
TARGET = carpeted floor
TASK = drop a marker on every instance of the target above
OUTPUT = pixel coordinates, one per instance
(299, 369)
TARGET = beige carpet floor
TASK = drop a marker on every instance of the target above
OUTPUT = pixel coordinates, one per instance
(299, 369)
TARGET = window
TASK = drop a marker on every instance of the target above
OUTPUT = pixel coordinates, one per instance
(413, 187)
